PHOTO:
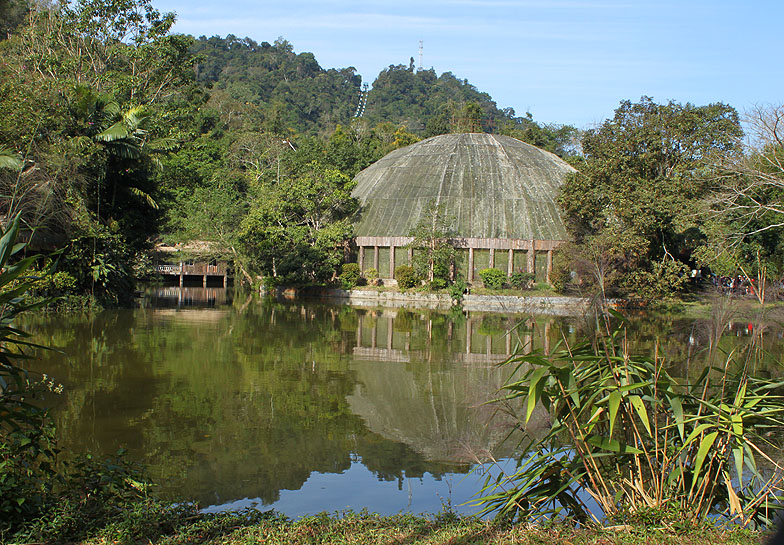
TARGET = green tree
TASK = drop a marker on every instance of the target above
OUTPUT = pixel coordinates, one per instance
(298, 228)
(434, 252)
(644, 172)
(746, 215)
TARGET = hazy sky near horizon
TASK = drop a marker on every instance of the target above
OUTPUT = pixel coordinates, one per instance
(565, 61)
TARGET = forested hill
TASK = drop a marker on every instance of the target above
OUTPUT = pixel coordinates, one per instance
(292, 90)
(427, 103)
(292, 93)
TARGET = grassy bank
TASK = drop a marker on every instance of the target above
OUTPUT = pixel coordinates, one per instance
(155, 523)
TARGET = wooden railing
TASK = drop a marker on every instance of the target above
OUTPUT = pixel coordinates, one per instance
(196, 269)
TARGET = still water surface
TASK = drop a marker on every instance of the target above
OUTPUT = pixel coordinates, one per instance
(306, 406)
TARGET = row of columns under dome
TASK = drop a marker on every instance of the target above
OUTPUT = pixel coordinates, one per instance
(502, 258)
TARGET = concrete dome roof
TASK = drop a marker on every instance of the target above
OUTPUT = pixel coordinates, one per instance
(491, 186)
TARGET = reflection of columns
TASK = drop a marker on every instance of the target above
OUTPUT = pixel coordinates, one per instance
(510, 263)
(361, 258)
(375, 257)
(408, 340)
(547, 338)
(468, 336)
(489, 344)
(373, 335)
(528, 343)
(389, 333)
(181, 273)
(391, 262)
(470, 265)
(204, 283)
(531, 257)
(491, 264)
(549, 264)
(508, 347)
(359, 331)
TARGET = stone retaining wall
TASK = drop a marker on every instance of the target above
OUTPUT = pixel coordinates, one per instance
(558, 306)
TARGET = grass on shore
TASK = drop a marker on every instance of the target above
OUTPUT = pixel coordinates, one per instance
(155, 523)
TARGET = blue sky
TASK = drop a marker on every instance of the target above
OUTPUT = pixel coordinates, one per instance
(565, 61)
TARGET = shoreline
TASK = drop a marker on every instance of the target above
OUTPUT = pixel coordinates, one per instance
(549, 305)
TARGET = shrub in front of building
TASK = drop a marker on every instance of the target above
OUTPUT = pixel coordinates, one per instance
(493, 279)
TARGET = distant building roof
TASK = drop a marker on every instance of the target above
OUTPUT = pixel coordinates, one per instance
(492, 186)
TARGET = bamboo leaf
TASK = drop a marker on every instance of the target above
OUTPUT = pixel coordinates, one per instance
(534, 391)
(612, 445)
(642, 412)
(7, 241)
(614, 403)
(735, 507)
(677, 413)
(737, 453)
(705, 445)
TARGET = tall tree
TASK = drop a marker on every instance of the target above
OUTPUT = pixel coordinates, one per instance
(645, 169)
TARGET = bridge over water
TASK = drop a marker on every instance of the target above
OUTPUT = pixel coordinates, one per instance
(203, 269)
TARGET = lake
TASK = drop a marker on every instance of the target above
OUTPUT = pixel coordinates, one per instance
(304, 406)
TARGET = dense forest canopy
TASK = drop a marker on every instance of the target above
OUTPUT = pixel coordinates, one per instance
(116, 133)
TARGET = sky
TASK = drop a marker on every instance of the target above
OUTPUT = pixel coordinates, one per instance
(564, 61)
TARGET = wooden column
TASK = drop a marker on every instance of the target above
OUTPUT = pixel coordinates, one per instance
(391, 262)
(204, 281)
(470, 265)
(181, 273)
(375, 257)
(510, 263)
(531, 257)
(491, 264)
(549, 264)
(361, 259)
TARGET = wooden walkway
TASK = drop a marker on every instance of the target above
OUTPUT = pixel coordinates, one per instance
(203, 269)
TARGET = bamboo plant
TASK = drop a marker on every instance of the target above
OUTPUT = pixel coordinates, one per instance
(628, 438)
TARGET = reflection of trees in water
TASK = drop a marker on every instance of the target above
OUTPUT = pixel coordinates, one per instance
(230, 403)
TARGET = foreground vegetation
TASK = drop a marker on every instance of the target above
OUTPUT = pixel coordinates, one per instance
(152, 522)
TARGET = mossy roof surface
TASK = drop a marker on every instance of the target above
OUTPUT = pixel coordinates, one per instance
(490, 186)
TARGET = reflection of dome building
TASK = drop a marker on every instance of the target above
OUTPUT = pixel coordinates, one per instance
(499, 192)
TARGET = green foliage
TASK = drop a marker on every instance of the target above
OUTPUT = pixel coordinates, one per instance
(437, 284)
(644, 172)
(562, 140)
(424, 102)
(434, 253)
(299, 226)
(372, 276)
(637, 439)
(493, 279)
(27, 449)
(350, 275)
(406, 277)
(457, 289)
(290, 90)
(521, 280)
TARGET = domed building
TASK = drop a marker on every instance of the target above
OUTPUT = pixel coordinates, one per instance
(499, 194)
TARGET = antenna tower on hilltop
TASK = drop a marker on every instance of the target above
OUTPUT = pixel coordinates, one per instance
(421, 49)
